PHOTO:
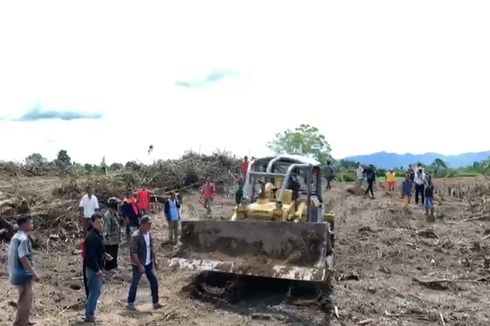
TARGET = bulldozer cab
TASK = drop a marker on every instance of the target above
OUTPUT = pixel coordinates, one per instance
(288, 185)
(277, 231)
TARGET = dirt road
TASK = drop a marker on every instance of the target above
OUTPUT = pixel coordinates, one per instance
(392, 268)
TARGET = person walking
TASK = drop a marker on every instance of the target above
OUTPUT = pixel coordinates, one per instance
(406, 190)
(21, 269)
(112, 232)
(143, 260)
(94, 261)
(360, 175)
(172, 214)
(371, 178)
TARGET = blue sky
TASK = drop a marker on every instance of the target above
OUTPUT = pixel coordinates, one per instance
(206, 75)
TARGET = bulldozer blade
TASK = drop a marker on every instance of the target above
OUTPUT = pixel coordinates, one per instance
(286, 250)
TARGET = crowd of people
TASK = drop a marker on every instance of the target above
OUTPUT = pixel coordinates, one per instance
(103, 233)
(417, 183)
(102, 236)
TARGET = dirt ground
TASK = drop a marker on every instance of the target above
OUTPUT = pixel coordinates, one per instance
(392, 268)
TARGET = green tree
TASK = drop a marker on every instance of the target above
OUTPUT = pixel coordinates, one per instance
(303, 140)
(63, 157)
(116, 166)
(133, 166)
(346, 164)
(35, 159)
(438, 168)
(88, 167)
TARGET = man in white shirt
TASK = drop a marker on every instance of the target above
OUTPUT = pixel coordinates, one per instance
(419, 180)
(360, 175)
(88, 206)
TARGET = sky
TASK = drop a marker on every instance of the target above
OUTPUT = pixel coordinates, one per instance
(109, 78)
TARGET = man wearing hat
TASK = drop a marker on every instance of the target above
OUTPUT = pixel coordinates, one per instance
(112, 232)
(143, 260)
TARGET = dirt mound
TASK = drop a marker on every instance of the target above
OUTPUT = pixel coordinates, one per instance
(395, 218)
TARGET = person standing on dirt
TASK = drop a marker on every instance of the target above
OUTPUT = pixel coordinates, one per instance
(429, 199)
(172, 214)
(89, 205)
(143, 198)
(407, 190)
(360, 175)
(390, 180)
(329, 174)
(94, 261)
(207, 194)
(112, 232)
(419, 181)
(371, 178)
(130, 214)
(244, 167)
(21, 269)
(143, 260)
(239, 192)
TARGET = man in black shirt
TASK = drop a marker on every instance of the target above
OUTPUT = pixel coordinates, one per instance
(94, 261)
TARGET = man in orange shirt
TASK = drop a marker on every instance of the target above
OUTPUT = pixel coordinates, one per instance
(143, 198)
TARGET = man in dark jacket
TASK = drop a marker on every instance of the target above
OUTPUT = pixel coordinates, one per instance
(329, 174)
(172, 213)
(94, 261)
(371, 178)
(143, 259)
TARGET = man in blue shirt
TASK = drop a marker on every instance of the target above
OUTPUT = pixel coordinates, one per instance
(21, 270)
(407, 190)
(172, 213)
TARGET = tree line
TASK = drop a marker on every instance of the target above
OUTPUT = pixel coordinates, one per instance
(306, 140)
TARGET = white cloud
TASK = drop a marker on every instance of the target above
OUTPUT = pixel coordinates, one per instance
(378, 75)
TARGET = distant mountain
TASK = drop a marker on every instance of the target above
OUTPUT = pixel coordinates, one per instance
(391, 160)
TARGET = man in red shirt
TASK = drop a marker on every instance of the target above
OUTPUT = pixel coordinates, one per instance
(143, 198)
(244, 167)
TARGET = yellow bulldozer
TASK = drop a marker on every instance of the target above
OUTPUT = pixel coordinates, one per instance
(278, 230)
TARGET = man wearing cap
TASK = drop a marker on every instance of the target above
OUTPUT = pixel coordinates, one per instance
(112, 232)
(143, 259)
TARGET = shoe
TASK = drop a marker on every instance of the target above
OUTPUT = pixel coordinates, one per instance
(31, 323)
(89, 319)
(131, 307)
(157, 306)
